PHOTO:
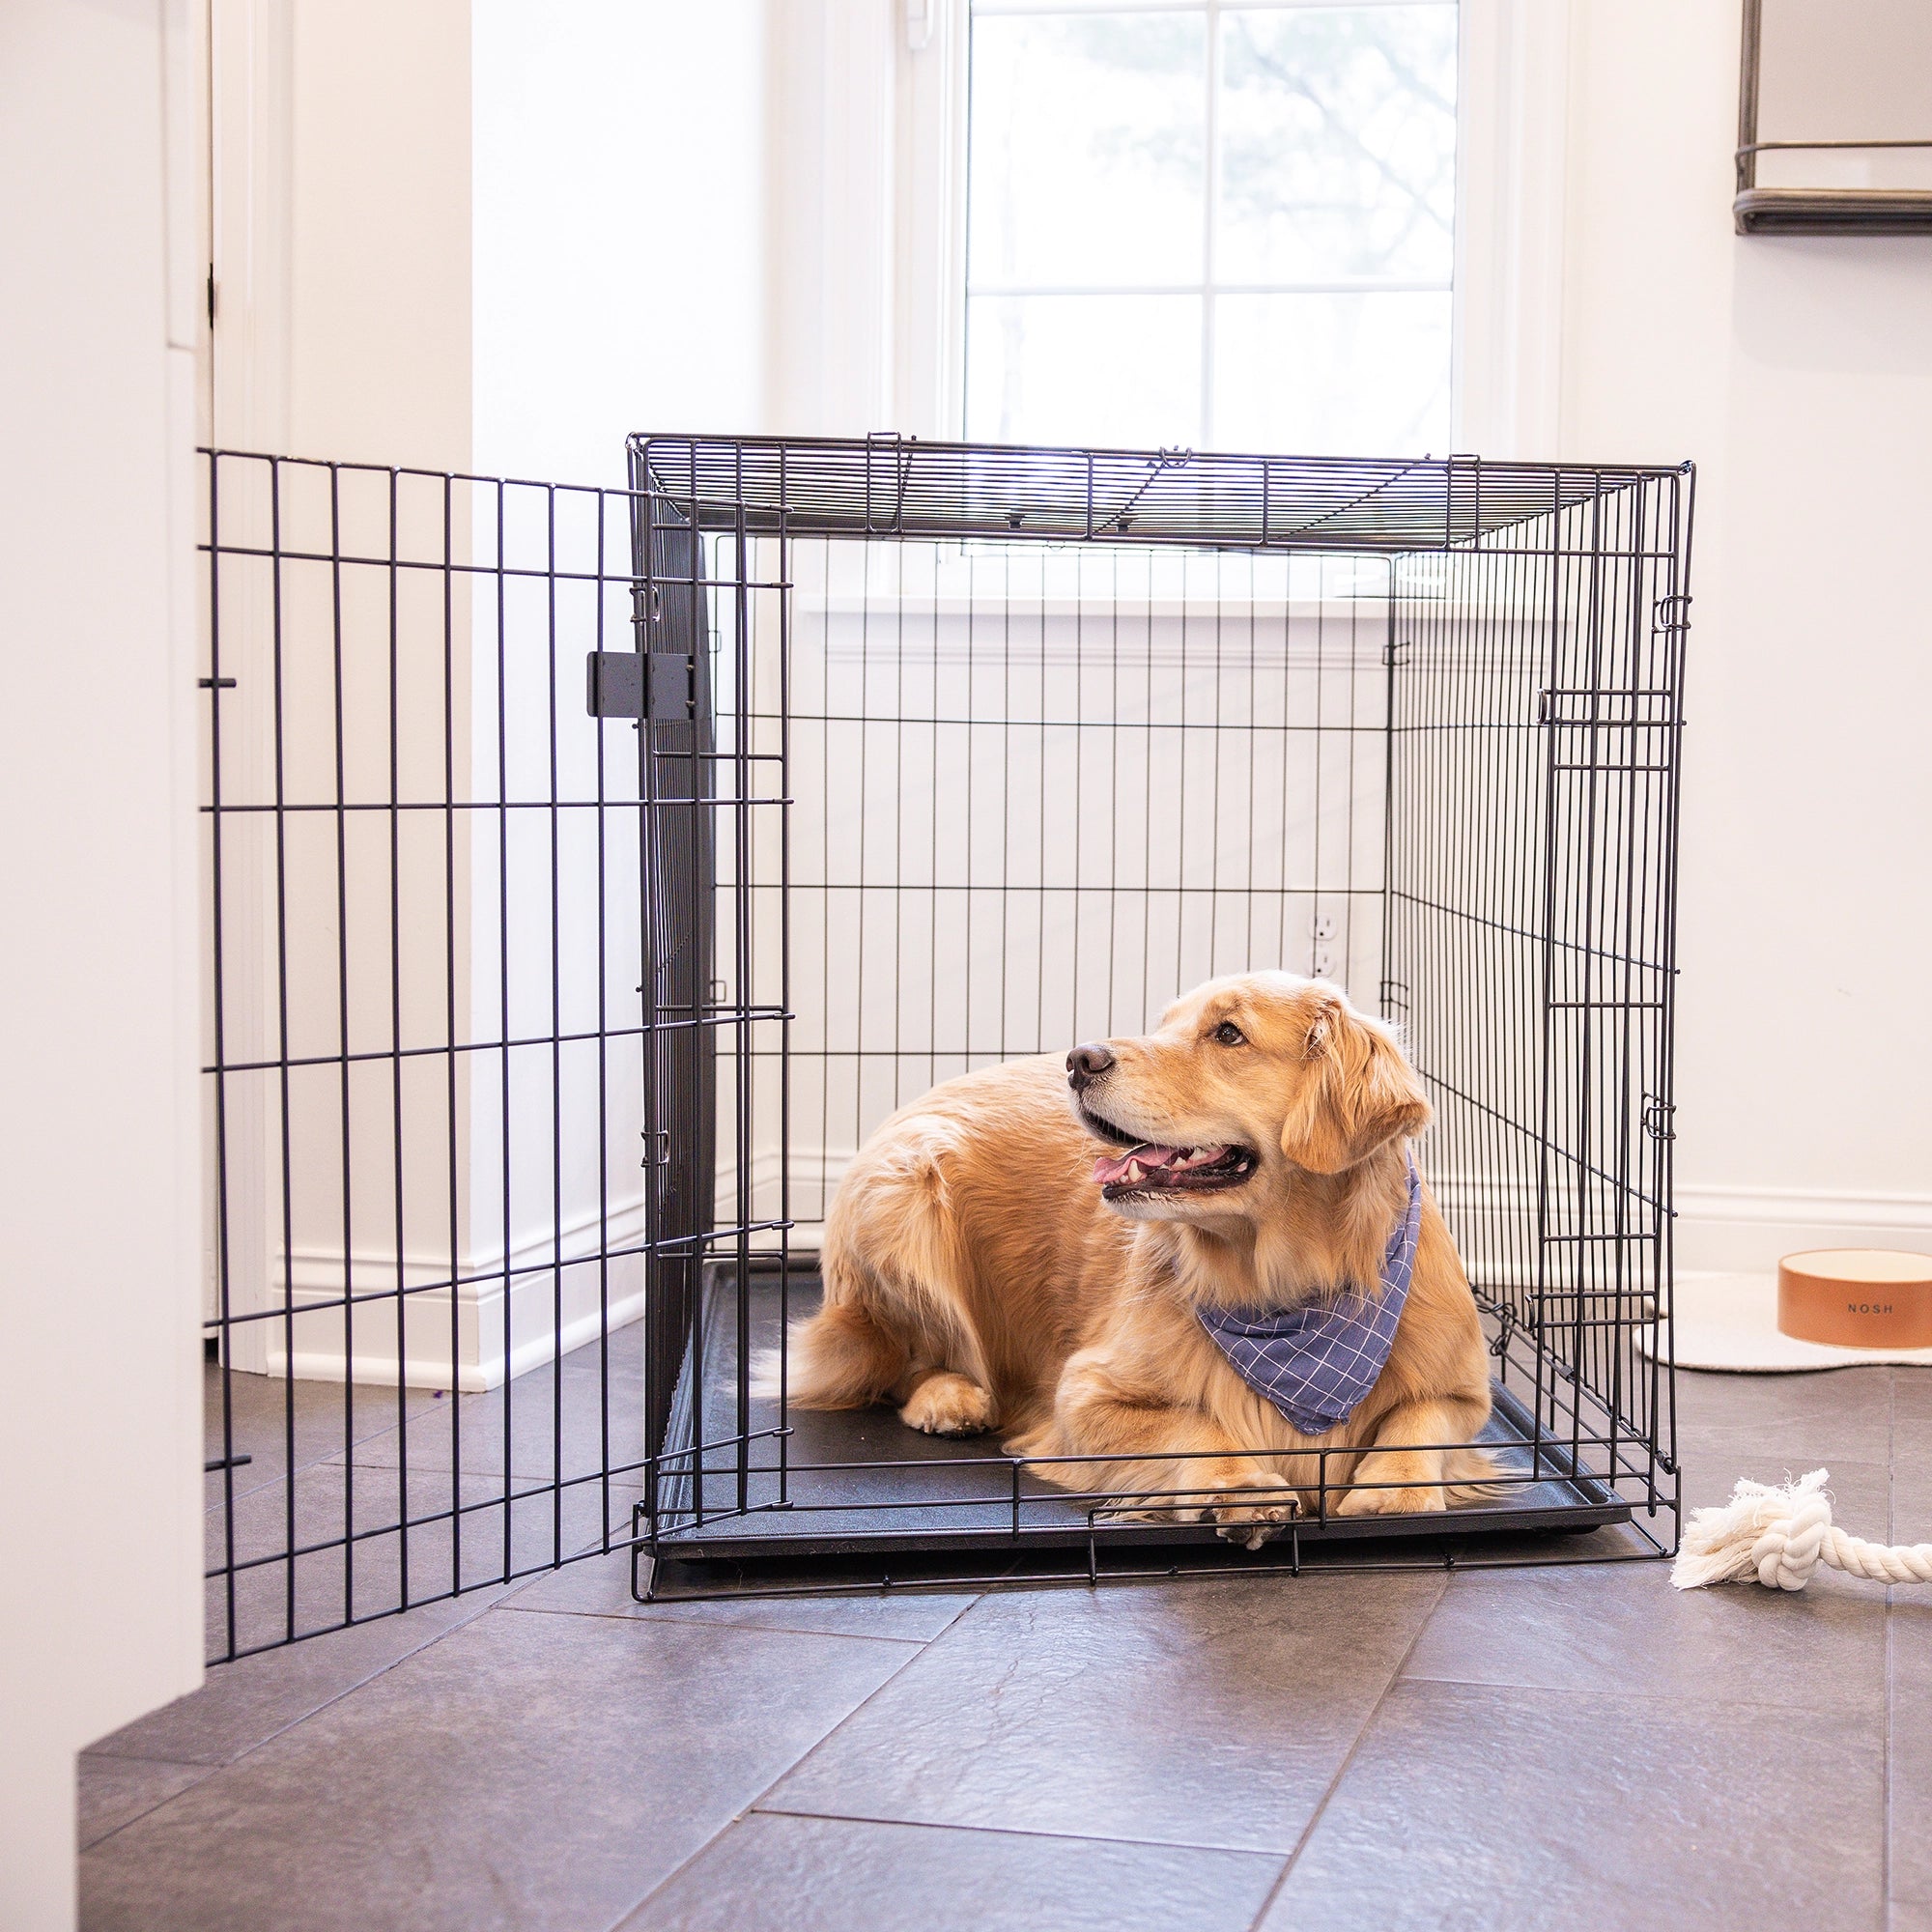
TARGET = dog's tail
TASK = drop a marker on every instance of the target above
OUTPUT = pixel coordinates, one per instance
(892, 1266)
(1473, 1477)
(842, 1357)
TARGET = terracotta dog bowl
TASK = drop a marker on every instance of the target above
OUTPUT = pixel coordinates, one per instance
(1856, 1297)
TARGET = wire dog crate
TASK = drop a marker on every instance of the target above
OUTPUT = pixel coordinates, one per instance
(591, 870)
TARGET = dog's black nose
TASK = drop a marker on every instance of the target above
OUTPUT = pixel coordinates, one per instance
(1086, 1064)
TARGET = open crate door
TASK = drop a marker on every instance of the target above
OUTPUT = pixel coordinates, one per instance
(459, 1045)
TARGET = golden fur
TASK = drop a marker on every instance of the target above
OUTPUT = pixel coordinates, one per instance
(976, 1277)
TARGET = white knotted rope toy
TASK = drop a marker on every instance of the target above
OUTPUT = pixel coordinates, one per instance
(1780, 1534)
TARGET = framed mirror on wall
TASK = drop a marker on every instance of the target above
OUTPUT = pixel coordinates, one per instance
(1834, 119)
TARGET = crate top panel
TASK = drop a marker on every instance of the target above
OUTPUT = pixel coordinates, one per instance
(895, 486)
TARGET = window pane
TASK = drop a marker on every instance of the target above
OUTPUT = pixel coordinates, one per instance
(1087, 149)
(1119, 370)
(1332, 375)
(1337, 144)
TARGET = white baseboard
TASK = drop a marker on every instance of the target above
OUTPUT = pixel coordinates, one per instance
(316, 1358)
(1724, 1228)
(317, 1279)
(319, 1269)
(812, 1167)
(815, 1173)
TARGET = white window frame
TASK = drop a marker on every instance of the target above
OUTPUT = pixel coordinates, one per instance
(1207, 285)
(1512, 155)
(929, 296)
(869, 193)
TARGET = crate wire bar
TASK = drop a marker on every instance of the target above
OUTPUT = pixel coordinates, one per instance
(591, 870)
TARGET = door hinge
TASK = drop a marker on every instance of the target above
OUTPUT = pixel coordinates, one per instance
(659, 685)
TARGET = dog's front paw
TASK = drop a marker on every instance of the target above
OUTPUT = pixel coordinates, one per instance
(949, 1404)
(1391, 1502)
(1251, 1519)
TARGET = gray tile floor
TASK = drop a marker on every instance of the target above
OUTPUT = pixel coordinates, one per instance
(1579, 1747)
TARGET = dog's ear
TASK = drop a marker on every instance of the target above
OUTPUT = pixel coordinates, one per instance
(1356, 1093)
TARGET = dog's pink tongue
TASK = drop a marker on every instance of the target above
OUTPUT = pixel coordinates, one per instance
(1146, 1157)
(1149, 1159)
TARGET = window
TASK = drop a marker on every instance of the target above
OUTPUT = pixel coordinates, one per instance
(1218, 224)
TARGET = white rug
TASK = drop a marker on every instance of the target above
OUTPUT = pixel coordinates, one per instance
(1730, 1321)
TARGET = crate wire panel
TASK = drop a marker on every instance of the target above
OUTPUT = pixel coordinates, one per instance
(1037, 795)
(460, 1134)
(893, 486)
(1538, 696)
(1062, 733)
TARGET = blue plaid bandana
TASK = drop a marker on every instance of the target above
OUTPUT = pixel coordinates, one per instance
(1317, 1362)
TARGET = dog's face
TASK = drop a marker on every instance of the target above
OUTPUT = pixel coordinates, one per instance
(1246, 1081)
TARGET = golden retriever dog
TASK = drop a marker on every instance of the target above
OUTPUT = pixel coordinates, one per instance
(985, 1271)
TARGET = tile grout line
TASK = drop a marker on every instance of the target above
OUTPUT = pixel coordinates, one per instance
(1316, 1816)
(206, 1770)
(499, 1601)
(1674, 1699)
(918, 1650)
(719, 1623)
(295, 1723)
(1273, 1852)
(316, 1461)
(144, 1757)
(335, 1456)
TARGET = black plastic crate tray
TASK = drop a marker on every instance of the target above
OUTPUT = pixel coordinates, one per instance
(858, 1482)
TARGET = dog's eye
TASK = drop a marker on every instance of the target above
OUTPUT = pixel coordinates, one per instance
(1230, 1034)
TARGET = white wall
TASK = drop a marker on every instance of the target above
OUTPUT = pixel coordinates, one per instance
(341, 204)
(341, 249)
(620, 243)
(380, 268)
(488, 235)
(1798, 372)
(619, 231)
(618, 237)
(831, 231)
(485, 238)
(99, 1383)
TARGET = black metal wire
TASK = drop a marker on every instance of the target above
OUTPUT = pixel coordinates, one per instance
(985, 751)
